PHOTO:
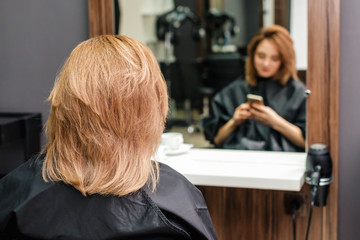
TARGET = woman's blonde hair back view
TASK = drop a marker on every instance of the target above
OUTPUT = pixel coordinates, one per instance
(108, 110)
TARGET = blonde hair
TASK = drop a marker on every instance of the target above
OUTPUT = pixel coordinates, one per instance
(280, 36)
(108, 110)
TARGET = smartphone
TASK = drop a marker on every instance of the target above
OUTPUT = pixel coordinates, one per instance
(252, 98)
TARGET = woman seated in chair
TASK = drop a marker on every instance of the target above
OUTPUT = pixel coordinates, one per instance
(278, 123)
(95, 178)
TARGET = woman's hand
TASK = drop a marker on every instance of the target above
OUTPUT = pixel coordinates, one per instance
(265, 115)
(268, 116)
(241, 114)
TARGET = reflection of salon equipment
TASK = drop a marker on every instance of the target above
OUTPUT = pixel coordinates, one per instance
(221, 27)
(19, 139)
(223, 65)
(167, 30)
(186, 80)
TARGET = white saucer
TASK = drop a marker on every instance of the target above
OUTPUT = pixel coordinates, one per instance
(182, 149)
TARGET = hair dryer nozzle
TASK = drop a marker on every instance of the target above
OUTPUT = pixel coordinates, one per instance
(318, 155)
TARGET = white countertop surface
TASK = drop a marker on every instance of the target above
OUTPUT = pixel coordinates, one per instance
(237, 168)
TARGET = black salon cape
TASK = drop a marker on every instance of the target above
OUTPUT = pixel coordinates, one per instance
(38, 210)
(288, 101)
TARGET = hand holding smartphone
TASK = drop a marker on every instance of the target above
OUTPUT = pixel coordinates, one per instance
(252, 98)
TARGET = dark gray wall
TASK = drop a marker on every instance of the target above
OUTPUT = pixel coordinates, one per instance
(349, 129)
(36, 37)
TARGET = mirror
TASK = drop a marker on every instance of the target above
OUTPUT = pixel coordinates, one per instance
(322, 79)
(187, 106)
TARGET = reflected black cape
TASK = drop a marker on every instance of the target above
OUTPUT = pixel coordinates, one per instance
(288, 101)
(33, 209)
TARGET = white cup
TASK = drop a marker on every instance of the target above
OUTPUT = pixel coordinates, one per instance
(172, 140)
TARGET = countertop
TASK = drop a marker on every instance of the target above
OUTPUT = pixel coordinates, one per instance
(239, 168)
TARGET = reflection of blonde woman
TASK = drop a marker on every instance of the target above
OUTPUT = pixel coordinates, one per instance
(279, 124)
(95, 179)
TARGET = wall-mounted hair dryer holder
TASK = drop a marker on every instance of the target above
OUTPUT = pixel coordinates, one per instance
(318, 172)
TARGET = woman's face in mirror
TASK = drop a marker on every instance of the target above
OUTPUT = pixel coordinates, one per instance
(267, 59)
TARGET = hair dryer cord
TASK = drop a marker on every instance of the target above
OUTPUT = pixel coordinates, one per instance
(315, 180)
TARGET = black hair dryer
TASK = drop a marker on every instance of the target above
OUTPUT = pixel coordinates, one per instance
(318, 172)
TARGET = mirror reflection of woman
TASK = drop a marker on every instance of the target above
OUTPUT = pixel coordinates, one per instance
(279, 124)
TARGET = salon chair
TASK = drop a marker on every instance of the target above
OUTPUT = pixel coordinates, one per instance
(222, 68)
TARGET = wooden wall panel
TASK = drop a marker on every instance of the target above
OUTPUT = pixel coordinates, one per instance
(101, 17)
(240, 213)
(323, 103)
(282, 13)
